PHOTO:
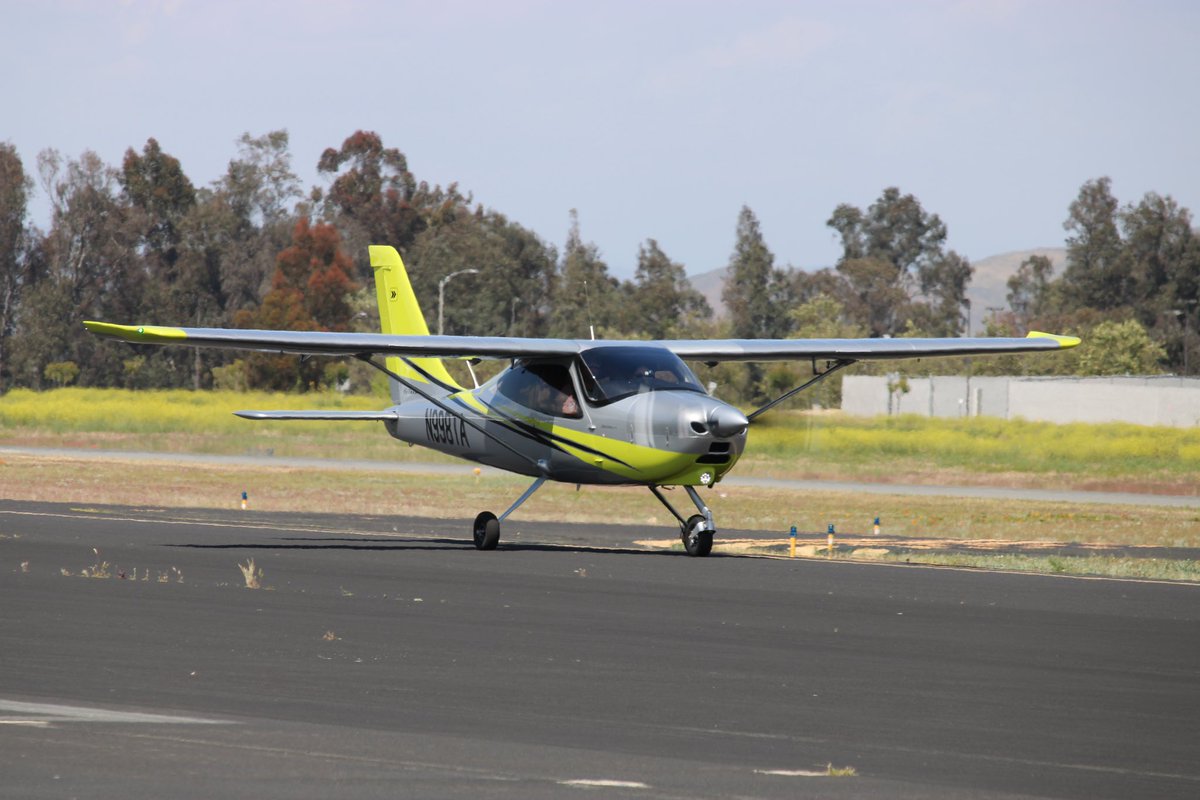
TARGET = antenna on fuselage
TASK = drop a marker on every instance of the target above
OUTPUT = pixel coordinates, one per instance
(587, 300)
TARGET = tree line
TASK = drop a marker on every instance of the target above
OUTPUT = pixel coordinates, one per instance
(140, 242)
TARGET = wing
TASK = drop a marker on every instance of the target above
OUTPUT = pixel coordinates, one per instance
(715, 350)
(380, 416)
(339, 344)
(709, 350)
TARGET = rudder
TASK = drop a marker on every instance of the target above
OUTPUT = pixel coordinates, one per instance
(399, 313)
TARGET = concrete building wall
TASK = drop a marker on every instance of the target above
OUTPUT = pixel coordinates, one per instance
(1144, 401)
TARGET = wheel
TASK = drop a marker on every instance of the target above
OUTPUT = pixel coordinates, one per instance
(696, 542)
(487, 531)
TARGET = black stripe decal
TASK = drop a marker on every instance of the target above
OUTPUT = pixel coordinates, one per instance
(533, 435)
(543, 437)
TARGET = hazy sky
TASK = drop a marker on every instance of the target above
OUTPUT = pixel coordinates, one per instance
(654, 119)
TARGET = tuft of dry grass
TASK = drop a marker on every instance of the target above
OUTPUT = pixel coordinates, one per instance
(252, 574)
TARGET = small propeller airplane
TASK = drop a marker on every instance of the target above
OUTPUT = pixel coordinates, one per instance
(578, 411)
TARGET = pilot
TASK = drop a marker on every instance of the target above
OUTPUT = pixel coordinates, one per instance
(570, 405)
(565, 402)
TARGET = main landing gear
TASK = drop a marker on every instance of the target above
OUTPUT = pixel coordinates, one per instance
(696, 531)
(487, 525)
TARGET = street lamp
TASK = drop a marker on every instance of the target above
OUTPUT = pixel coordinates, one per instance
(1184, 318)
(442, 294)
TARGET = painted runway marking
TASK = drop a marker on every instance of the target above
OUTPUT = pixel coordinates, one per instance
(604, 784)
(793, 773)
(43, 714)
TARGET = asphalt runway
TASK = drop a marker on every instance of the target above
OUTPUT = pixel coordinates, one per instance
(385, 657)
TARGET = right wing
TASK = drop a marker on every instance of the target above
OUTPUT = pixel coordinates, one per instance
(708, 350)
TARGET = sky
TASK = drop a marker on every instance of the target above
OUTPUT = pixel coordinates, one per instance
(653, 118)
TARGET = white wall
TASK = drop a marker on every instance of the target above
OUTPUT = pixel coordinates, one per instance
(1163, 400)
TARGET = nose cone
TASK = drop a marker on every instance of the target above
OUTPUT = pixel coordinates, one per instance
(725, 421)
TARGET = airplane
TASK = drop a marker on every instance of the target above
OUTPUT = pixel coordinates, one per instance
(581, 411)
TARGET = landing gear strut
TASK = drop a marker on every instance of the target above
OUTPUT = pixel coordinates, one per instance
(487, 526)
(696, 531)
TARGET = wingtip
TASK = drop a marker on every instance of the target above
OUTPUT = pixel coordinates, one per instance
(1063, 341)
(135, 333)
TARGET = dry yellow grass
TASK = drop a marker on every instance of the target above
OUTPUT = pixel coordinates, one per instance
(170, 484)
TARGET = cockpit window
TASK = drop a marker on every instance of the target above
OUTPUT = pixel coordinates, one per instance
(611, 373)
(543, 387)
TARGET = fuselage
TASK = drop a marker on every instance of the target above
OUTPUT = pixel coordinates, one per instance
(607, 416)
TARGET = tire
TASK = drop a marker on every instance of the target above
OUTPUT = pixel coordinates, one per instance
(487, 531)
(698, 543)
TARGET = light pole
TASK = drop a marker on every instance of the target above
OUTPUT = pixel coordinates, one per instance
(1184, 318)
(442, 294)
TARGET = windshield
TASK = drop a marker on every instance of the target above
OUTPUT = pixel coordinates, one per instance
(611, 373)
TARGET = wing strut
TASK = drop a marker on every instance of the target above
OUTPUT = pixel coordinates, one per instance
(830, 368)
(416, 389)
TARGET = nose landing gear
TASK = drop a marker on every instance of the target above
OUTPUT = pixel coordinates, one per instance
(696, 531)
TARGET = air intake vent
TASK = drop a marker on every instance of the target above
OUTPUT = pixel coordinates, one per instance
(718, 453)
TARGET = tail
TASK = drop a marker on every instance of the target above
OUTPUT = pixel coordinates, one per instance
(399, 313)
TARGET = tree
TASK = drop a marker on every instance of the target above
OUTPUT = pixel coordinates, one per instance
(823, 317)
(61, 373)
(87, 266)
(586, 297)
(1162, 256)
(1029, 289)
(756, 295)
(15, 241)
(252, 203)
(184, 290)
(260, 183)
(1120, 348)
(874, 296)
(1095, 276)
(509, 295)
(155, 183)
(663, 304)
(310, 291)
(373, 198)
(943, 287)
(896, 267)
(753, 285)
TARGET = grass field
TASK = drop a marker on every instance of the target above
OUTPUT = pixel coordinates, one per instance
(785, 444)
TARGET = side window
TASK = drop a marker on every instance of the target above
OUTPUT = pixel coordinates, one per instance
(545, 388)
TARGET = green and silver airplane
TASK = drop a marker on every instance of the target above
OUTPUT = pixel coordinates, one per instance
(573, 410)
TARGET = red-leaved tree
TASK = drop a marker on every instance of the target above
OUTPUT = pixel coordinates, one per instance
(309, 292)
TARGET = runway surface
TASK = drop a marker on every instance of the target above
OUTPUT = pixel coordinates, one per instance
(385, 657)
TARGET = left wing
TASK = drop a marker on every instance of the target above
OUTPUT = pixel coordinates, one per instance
(709, 350)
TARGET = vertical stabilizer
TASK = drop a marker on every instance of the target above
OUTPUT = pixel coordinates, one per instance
(399, 313)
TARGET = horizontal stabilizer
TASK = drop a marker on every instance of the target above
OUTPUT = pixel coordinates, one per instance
(379, 416)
